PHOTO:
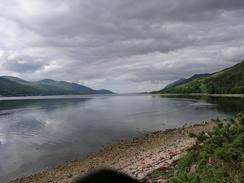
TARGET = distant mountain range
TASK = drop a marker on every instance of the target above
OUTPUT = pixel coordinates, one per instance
(13, 86)
(227, 81)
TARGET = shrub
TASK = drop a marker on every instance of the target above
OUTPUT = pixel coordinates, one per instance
(220, 159)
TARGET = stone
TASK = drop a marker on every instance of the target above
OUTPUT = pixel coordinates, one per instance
(147, 180)
(193, 168)
(69, 175)
(161, 181)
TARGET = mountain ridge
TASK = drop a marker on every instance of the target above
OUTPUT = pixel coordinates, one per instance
(227, 81)
(14, 86)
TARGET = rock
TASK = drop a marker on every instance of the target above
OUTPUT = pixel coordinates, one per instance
(193, 168)
(176, 157)
(169, 162)
(161, 180)
(147, 180)
(69, 175)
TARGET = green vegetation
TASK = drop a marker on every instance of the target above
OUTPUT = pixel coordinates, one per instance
(12, 86)
(217, 156)
(228, 81)
(183, 80)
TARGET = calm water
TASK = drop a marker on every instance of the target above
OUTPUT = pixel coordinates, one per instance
(39, 133)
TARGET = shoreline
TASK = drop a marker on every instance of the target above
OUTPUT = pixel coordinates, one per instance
(199, 94)
(3, 98)
(136, 157)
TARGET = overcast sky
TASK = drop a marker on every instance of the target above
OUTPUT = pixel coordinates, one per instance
(121, 45)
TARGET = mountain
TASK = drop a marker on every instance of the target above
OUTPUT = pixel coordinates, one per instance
(179, 81)
(184, 80)
(227, 81)
(13, 86)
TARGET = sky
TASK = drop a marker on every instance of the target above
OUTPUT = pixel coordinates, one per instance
(121, 45)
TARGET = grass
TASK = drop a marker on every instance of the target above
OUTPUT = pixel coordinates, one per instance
(217, 156)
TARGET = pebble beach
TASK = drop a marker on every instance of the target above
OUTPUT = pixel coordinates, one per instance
(136, 157)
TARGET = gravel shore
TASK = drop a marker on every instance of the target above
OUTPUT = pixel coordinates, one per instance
(136, 157)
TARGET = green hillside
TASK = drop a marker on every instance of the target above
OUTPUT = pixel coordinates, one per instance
(12, 86)
(227, 81)
(183, 80)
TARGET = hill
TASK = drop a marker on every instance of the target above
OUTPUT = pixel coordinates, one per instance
(227, 81)
(175, 83)
(184, 80)
(13, 86)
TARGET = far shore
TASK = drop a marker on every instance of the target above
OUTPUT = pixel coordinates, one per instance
(2, 98)
(136, 157)
(200, 94)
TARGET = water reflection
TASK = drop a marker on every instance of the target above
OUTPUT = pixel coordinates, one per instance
(229, 105)
(35, 134)
(40, 103)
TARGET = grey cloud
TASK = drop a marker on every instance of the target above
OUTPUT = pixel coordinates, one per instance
(24, 64)
(134, 41)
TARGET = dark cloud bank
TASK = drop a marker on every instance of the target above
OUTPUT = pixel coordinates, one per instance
(129, 45)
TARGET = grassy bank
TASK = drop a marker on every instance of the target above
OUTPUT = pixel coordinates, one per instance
(217, 156)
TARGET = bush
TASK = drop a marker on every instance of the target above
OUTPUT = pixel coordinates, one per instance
(219, 159)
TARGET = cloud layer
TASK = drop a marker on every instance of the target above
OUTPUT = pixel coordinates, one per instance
(125, 46)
